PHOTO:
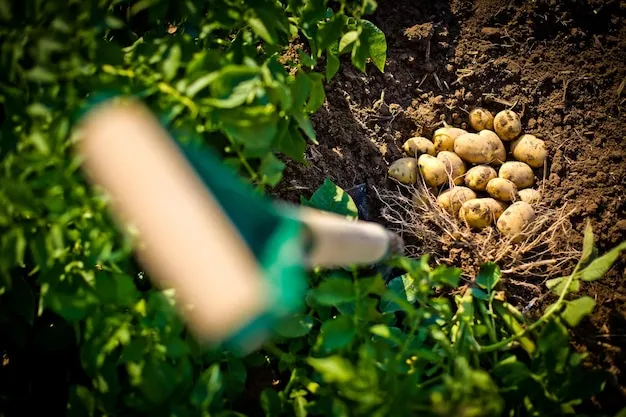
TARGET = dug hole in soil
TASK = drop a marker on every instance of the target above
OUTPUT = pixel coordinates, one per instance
(561, 64)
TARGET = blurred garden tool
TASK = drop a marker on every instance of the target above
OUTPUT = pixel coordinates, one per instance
(236, 260)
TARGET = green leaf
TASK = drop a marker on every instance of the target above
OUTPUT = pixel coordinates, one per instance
(587, 242)
(292, 144)
(41, 75)
(488, 276)
(268, 34)
(271, 169)
(306, 59)
(5, 10)
(318, 95)
(201, 83)
(553, 344)
(82, 402)
(337, 333)
(600, 266)
(330, 31)
(305, 124)
(445, 275)
(271, 403)
(299, 406)
(404, 288)
(334, 291)
(300, 89)
(576, 310)
(113, 22)
(347, 40)
(295, 326)
(376, 43)
(332, 65)
(330, 197)
(557, 285)
(172, 62)
(207, 387)
(372, 285)
(333, 368)
(359, 55)
(390, 333)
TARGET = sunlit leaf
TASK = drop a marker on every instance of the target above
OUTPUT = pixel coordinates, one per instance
(333, 368)
(600, 266)
(330, 197)
(488, 276)
(576, 310)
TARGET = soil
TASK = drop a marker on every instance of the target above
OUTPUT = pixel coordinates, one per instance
(559, 64)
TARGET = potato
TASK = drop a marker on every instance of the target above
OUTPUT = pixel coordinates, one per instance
(433, 170)
(478, 177)
(497, 207)
(417, 146)
(404, 170)
(529, 149)
(499, 152)
(479, 212)
(502, 189)
(530, 196)
(474, 148)
(507, 125)
(517, 172)
(451, 200)
(480, 119)
(515, 220)
(445, 137)
(455, 167)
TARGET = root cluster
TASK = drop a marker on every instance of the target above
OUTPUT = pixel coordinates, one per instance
(413, 213)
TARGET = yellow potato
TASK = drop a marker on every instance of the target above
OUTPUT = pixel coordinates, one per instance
(497, 207)
(502, 189)
(433, 170)
(451, 200)
(478, 177)
(529, 149)
(515, 220)
(499, 152)
(530, 196)
(455, 167)
(518, 172)
(404, 170)
(480, 119)
(507, 125)
(445, 137)
(479, 212)
(474, 148)
(417, 146)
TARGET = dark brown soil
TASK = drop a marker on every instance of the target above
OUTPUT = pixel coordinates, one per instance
(562, 63)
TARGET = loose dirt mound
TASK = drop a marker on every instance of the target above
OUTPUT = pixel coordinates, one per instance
(560, 63)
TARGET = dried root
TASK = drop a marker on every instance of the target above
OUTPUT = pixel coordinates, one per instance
(413, 213)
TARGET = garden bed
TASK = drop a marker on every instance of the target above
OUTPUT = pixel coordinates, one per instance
(561, 64)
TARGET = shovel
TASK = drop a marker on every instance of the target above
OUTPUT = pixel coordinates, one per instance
(236, 260)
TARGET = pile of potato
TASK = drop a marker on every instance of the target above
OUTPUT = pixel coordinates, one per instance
(485, 188)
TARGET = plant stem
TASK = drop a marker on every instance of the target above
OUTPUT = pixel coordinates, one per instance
(547, 315)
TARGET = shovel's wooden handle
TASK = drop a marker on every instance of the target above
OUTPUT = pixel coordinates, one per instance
(186, 241)
(337, 241)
